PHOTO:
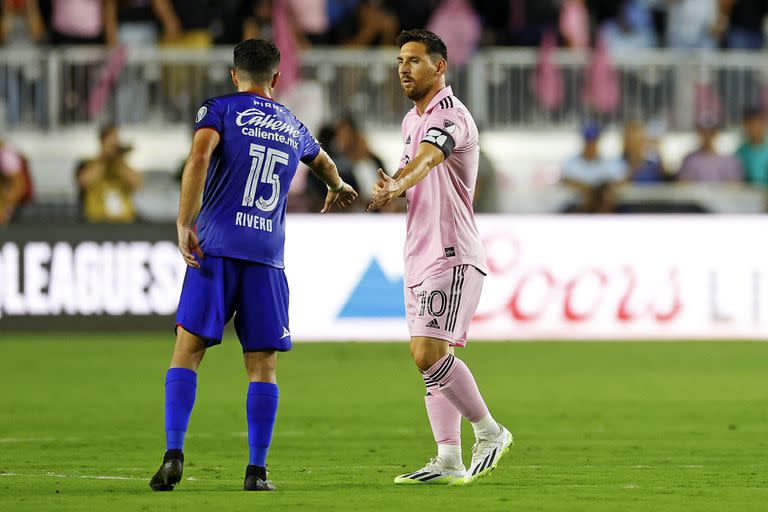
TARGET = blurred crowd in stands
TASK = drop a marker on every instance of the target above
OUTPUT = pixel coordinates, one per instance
(597, 177)
(626, 24)
(106, 182)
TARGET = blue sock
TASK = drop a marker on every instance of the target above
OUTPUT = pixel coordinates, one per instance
(180, 389)
(261, 409)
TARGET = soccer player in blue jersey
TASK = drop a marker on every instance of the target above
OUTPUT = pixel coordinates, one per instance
(244, 155)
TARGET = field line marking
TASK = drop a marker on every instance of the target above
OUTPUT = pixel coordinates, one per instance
(59, 475)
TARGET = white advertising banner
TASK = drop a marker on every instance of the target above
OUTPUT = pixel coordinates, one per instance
(558, 277)
(552, 277)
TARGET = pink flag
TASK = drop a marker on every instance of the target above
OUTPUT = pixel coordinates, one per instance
(547, 81)
(285, 40)
(457, 23)
(601, 81)
(107, 78)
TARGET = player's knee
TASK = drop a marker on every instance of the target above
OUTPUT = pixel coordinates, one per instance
(188, 351)
(423, 357)
(426, 352)
(261, 366)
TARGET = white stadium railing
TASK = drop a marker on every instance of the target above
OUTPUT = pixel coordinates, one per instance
(53, 87)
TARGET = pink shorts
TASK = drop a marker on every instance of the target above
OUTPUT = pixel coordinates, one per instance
(443, 305)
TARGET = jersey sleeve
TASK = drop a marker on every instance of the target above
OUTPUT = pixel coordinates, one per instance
(210, 116)
(447, 130)
(311, 147)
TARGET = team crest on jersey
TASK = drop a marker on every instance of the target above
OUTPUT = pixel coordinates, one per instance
(449, 126)
(201, 113)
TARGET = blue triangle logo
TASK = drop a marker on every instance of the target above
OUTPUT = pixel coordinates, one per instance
(375, 296)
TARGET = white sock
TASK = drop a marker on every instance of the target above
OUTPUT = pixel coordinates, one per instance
(486, 428)
(450, 454)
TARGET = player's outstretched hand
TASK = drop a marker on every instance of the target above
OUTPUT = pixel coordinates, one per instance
(189, 246)
(342, 198)
(384, 192)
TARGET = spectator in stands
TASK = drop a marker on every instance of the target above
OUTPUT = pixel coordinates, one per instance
(460, 27)
(75, 22)
(643, 162)
(227, 24)
(20, 22)
(753, 151)
(705, 164)
(257, 19)
(186, 23)
(137, 21)
(107, 182)
(21, 25)
(137, 27)
(517, 22)
(741, 22)
(312, 19)
(592, 175)
(631, 29)
(486, 198)
(574, 24)
(370, 24)
(15, 183)
(691, 24)
(78, 22)
(412, 14)
(350, 143)
(316, 189)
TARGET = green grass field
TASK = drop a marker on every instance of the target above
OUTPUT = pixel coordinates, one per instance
(598, 426)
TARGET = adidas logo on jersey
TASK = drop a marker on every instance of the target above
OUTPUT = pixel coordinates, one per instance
(433, 324)
(408, 140)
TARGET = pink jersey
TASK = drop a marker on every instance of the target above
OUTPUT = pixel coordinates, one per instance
(441, 223)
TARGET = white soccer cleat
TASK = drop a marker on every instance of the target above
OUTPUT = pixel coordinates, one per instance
(486, 454)
(434, 473)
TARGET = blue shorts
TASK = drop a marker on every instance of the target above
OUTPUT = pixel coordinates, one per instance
(256, 294)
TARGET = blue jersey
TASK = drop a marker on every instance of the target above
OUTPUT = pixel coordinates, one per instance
(243, 210)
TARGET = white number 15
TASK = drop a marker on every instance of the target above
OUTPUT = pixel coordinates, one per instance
(263, 165)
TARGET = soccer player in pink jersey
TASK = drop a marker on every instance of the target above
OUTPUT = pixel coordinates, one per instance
(444, 258)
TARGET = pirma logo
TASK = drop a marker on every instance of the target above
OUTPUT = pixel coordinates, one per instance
(375, 296)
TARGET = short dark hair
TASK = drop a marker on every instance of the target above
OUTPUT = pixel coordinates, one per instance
(258, 58)
(435, 46)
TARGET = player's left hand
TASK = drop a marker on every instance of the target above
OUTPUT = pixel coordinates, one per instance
(342, 198)
(384, 192)
(189, 246)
